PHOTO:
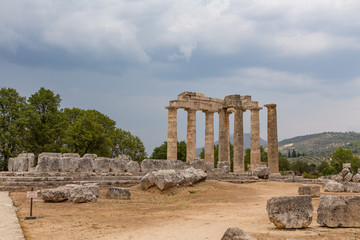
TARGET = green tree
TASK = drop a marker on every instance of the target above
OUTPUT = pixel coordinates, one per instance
(123, 142)
(341, 156)
(284, 164)
(45, 122)
(293, 154)
(299, 167)
(89, 131)
(12, 121)
(161, 151)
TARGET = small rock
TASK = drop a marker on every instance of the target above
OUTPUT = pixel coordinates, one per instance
(118, 193)
(313, 191)
(290, 211)
(236, 234)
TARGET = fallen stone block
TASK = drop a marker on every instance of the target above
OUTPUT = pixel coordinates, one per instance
(290, 211)
(147, 181)
(59, 194)
(348, 177)
(223, 167)
(236, 234)
(262, 172)
(339, 211)
(313, 191)
(118, 193)
(332, 186)
(165, 179)
(81, 194)
(351, 187)
(356, 178)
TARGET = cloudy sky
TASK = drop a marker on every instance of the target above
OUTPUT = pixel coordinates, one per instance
(129, 58)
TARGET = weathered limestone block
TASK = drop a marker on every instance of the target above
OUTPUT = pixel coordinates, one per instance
(118, 193)
(339, 178)
(102, 165)
(124, 157)
(165, 179)
(313, 191)
(118, 165)
(192, 176)
(199, 164)
(49, 162)
(356, 178)
(348, 177)
(236, 234)
(94, 188)
(209, 167)
(81, 194)
(290, 211)
(22, 163)
(86, 163)
(149, 165)
(70, 162)
(347, 165)
(132, 167)
(59, 194)
(351, 187)
(345, 171)
(332, 186)
(339, 211)
(262, 172)
(147, 181)
(223, 167)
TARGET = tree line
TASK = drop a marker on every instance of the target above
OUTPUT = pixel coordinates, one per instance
(38, 124)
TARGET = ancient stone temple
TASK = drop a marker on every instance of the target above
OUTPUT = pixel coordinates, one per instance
(192, 102)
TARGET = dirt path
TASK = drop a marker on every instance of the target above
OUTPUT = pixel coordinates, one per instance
(201, 212)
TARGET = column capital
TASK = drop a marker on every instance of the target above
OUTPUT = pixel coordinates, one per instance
(256, 108)
(190, 109)
(171, 108)
(272, 105)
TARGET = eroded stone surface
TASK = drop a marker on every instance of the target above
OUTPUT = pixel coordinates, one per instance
(118, 193)
(348, 177)
(262, 172)
(356, 178)
(313, 191)
(290, 211)
(72, 192)
(236, 234)
(332, 186)
(339, 211)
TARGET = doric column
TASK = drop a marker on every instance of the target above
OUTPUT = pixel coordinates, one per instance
(238, 140)
(273, 155)
(227, 145)
(172, 134)
(191, 136)
(209, 137)
(223, 140)
(255, 157)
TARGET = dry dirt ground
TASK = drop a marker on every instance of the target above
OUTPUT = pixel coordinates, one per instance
(200, 212)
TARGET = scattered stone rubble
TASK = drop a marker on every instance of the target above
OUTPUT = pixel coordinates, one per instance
(339, 211)
(262, 172)
(290, 211)
(235, 233)
(71, 192)
(164, 179)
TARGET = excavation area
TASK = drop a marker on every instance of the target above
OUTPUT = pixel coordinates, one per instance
(203, 211)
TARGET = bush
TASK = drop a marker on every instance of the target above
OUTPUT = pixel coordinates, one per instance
(329, 171)
(312, 175)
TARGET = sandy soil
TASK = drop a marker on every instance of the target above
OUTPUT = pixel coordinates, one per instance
(204, 211)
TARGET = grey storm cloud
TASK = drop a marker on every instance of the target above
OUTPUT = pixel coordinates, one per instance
(126, 55)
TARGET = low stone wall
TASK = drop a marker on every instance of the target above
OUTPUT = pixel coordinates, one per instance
(72, 162)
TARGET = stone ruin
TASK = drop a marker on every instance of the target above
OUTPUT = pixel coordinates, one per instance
(192, 102)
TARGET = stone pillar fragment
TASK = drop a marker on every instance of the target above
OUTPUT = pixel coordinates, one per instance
(255, 156)
(191, 136)
(272, 139)
(209, 137)
(238, 140)
(172, 134)
(223, 141)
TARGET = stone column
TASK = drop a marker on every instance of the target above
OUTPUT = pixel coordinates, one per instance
(273, 155)
(191, 136)
(223, 141)
(255, 157)
(227, 143)
(209, 137)
(238, 140)
(172, 134)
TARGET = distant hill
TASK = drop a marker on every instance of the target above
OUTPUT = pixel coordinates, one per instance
(246, 142)
(321, 143)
